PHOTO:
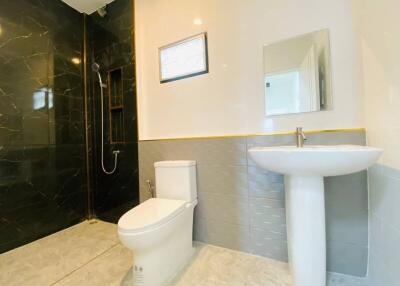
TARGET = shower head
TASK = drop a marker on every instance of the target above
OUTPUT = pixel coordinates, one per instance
(95, 67)
(102, 11)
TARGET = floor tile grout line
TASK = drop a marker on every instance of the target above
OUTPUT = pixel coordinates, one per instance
(52, 235)
(83, 265)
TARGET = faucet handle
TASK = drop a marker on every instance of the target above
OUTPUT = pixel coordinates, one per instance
(299, 130)
(300, 137)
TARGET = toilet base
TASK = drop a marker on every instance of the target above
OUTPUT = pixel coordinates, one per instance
(145, 272)
(159, 264)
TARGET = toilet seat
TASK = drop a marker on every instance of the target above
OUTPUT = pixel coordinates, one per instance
(150, 214)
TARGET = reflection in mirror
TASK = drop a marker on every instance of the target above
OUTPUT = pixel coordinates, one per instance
(297, 74)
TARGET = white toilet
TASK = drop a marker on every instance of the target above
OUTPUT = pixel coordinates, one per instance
(159, 231)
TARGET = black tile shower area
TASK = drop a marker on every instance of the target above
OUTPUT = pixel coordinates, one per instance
(111, 42)
(44, 183)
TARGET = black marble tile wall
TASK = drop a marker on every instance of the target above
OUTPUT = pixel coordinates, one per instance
(42, 144)
(111, 46)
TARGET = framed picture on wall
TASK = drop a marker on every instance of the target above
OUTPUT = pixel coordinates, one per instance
(183, 59)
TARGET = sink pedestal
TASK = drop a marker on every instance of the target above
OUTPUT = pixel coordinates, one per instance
(305, 218)
(304, 169)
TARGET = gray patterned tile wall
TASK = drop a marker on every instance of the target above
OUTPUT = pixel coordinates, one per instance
(243, 207)
(384, 192)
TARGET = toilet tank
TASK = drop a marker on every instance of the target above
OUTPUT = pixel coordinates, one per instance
(176, 180)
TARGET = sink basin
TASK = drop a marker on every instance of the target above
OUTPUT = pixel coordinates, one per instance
(304, 169)
(315, 160)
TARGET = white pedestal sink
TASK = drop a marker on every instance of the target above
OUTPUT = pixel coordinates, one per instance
(304, 169)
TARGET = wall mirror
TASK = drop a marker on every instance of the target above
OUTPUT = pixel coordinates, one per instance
(297, 74)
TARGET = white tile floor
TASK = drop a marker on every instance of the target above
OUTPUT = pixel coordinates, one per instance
(90, 254)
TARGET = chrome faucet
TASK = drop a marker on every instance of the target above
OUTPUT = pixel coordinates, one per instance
(300, 137)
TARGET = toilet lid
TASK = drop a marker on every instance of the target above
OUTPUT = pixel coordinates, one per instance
(151, 213)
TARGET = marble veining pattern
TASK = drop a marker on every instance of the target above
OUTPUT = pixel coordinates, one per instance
(90, 254)
(110, 44)
(41, 120)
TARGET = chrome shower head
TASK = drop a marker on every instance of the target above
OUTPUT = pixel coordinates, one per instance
(95, 67)
(102, 11)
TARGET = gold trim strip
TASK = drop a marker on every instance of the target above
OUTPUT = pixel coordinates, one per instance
(86, 107)
(258, 134)
(135, 66)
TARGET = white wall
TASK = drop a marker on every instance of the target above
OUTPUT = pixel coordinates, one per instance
(230, 99)
(379, 44)
(378, 24)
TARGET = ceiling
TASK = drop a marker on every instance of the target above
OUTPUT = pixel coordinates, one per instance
(87, 6)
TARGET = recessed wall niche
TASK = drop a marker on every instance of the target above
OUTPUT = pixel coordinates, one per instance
(116, 106)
